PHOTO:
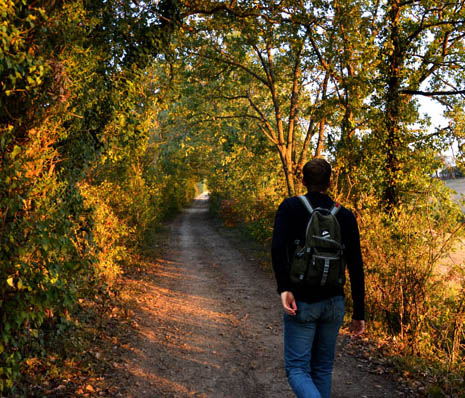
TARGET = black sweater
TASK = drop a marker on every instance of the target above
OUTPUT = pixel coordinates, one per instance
(290, 224)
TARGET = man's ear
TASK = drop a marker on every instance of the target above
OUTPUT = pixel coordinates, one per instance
(303, 182)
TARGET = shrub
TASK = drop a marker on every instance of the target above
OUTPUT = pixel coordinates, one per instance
(413, 298)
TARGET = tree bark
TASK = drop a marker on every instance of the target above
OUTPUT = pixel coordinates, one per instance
(321, 137)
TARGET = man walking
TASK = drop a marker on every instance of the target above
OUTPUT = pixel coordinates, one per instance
(314, 314)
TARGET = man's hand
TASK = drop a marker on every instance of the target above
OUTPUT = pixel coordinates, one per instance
(357, 328)
(288, 301)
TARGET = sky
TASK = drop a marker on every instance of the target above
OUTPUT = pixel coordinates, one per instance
(435, 111)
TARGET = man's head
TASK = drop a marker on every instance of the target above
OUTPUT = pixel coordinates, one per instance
(317, 173)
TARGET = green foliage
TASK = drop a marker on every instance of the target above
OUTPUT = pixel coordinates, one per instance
(105, 130)
(80, 184)
(44, 221)
(247, 197)
(404, 277)
(414, 295)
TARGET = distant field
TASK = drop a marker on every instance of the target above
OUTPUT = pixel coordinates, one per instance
(457, 185)
(457, 256)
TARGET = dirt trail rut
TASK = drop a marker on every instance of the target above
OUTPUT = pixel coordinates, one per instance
(209, 325)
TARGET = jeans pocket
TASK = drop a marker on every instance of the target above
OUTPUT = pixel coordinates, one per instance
(307, 312)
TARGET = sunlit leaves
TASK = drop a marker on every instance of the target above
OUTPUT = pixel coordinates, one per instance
(72, 119)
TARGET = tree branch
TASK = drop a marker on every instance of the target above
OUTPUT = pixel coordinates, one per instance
(235, 97)
(230, 62)
(267, 135)
(294, 96)
(271, 134)
(432, 25)
(303, 152)
(435, 65)
(274, 96)
(215, 118)
(219, 8)
(264, 65)
(432, 93)
(323, 62)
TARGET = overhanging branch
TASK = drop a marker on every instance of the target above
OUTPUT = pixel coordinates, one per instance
(432, 93)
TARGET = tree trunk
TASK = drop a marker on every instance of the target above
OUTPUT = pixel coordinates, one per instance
(288, 167)
(392, 118)
(321, 137)
(321, 127)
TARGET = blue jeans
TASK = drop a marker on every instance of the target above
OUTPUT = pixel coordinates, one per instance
(309, 345)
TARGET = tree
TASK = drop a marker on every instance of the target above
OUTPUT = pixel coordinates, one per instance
(269, 53)
(422, 54)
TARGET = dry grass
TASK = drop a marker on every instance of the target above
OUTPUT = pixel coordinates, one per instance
(456, 257)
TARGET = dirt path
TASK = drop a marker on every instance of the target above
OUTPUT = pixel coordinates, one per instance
(209, 325)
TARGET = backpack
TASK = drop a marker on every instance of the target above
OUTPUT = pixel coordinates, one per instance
(318, 261)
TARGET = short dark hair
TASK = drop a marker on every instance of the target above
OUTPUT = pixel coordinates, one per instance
(317, 173)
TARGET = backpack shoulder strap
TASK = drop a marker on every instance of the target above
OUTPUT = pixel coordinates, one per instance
(306, 203)
(335, 209)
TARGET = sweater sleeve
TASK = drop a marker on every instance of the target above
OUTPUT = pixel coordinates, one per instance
(279, 247)
(355, 267)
